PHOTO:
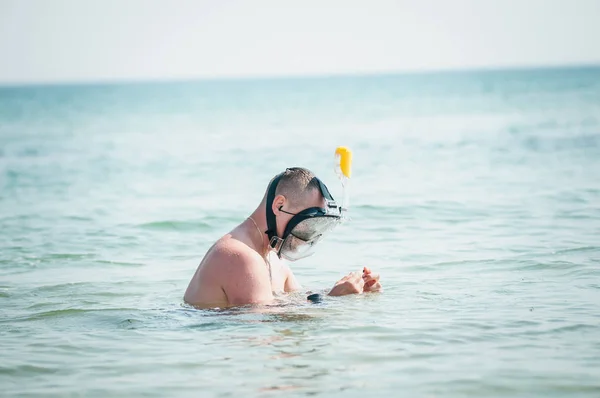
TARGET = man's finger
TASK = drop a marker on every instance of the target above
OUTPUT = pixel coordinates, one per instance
(375, 288)
(371, 277)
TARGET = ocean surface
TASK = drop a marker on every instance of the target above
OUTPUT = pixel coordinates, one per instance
(476, 195)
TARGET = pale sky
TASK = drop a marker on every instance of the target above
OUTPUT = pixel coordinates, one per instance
(81, 40)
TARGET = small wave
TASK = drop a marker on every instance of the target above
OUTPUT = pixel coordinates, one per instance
(549, 265)
(28, 370)
(575, 327)
(578, 249)
(376, 207)
(553, 331)
(206, 326)
(59, 286)
(68, 312)
(54, 314)
(482, 261)
(78, 218)
(170, 225)
(68, 256)
(542, 144)
(70, 285)
(119, 263)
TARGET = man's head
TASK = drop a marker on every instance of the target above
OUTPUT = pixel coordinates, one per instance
(299, 211)
(298, 189)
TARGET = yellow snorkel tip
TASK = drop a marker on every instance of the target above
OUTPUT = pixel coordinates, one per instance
(343, 169)
(344, 154)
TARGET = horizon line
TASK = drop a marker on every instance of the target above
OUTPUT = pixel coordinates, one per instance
(296, 76)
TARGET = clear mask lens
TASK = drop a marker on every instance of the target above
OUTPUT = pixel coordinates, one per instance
(302, 239)
(294, 248)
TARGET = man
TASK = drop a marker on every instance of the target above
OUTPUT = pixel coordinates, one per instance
(245, 266)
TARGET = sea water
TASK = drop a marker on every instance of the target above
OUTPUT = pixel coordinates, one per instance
(475, 195)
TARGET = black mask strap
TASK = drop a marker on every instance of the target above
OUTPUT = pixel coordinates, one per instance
(271, 223)
(325, 192)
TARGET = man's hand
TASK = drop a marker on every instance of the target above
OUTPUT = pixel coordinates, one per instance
(371, 281)
(352, 283)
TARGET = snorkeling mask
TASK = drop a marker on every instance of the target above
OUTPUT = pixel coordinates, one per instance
(309, 226)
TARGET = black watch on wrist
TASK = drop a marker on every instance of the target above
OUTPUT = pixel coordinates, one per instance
(314, 298)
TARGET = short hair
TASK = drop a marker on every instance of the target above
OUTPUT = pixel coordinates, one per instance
(296, 184)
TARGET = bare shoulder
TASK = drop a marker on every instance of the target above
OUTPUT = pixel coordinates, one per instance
(241, 272)
(227, 261)
(233, 265)
(230, 254)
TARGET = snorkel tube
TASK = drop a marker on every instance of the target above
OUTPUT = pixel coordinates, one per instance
(343, 169)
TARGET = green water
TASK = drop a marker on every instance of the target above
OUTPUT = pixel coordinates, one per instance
(475, 195)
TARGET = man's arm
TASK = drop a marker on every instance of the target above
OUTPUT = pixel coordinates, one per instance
(291, 283)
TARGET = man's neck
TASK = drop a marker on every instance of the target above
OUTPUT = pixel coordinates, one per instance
(258, 226)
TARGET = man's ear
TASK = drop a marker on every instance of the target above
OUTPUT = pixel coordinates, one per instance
(278, 202)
